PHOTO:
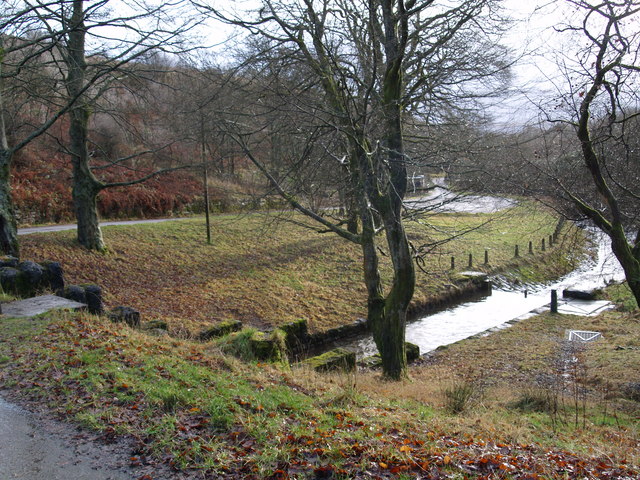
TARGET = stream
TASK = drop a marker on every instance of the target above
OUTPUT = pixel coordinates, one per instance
(503, 305)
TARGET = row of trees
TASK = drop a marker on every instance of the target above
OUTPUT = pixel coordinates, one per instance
(336, 99)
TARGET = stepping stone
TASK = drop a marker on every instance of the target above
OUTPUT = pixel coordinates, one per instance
(30, 307)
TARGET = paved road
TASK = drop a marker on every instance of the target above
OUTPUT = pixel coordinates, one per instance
(73, 226)
(34, 449)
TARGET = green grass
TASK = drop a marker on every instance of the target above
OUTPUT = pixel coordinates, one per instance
(266, 273)
(621, 295)
(215, 408)
(199, 408)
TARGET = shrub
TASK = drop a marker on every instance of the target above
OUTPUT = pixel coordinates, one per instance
(459, 395)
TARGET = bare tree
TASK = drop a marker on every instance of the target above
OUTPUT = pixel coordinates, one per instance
(370, 64)
(601, 82)
(91, 49)
(27, 63)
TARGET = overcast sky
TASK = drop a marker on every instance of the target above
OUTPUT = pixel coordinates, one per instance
(531, 38)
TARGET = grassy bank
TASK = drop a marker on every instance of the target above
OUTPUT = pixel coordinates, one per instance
(265, 273)
(474, 410)
(504, 406)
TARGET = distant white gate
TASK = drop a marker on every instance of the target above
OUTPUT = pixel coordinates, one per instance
(583, 336)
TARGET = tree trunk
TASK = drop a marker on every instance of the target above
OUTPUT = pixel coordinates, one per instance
(389, 330)
(627, 257)
(8, 228)
(85, 203)
(85, 186)
(386, 316)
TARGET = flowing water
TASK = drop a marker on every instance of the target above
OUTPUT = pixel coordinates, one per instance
(439, 198)
(501, 306)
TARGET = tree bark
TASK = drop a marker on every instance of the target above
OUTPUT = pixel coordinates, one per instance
(85, 186)
(8, 228)
(85, 203)
(628, 259)
(389, 327)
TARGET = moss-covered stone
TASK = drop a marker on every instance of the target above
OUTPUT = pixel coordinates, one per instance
(54, 274)
(93, 294)
(250, 344)
(27, 279)
(14, 281)
(8, 261)
(339, 359)
(374, 361)
(35, 276)
(413, 352)
(73, 292)
(296, 334)
(268, 348)
(220, 330)
(127, 315)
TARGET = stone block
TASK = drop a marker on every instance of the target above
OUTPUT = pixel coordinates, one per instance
(156, 325)
(632, 391)
(127, 315)
(580, 294)
(413, 352)
(14, 281)
(34, 276)
(73, 292)
(220, 330)
(93, 294)
(53, 274)
(296, 334)
(339, 359)
(9, 261)
(265, 347)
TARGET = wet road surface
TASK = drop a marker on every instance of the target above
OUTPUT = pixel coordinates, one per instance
(34, 449)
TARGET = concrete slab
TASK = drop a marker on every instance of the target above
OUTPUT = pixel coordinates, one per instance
(585, 308)
(30, 307)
